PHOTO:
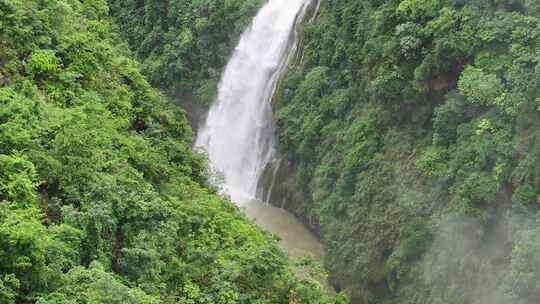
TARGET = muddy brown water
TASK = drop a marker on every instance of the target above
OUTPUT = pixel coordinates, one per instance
(295, 239)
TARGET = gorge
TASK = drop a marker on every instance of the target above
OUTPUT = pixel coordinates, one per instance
(238, 134)
(102, 199)
(404, 133)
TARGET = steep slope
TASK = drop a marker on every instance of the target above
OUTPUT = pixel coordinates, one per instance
(101, 198)
(411, 128)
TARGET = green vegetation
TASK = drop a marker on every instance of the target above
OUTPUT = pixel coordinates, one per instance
(101, 198)
(413, 130)
(184, 44)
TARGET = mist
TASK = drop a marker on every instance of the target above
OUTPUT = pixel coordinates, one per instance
(474, 262)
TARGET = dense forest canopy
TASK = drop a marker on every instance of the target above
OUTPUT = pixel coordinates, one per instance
(102, 199)
(184, 45)
(413, 128)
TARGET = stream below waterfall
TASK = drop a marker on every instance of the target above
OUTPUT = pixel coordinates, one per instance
(294, 237)
(238, 133)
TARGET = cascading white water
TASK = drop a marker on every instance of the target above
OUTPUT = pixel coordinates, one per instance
(238, 132)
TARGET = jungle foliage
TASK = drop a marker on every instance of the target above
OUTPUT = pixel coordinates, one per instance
(183, 45)
(414, 127)
(102, 199)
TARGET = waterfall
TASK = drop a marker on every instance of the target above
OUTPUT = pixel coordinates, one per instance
(238, 134)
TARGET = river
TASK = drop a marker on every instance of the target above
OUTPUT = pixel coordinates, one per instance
(295, 238)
